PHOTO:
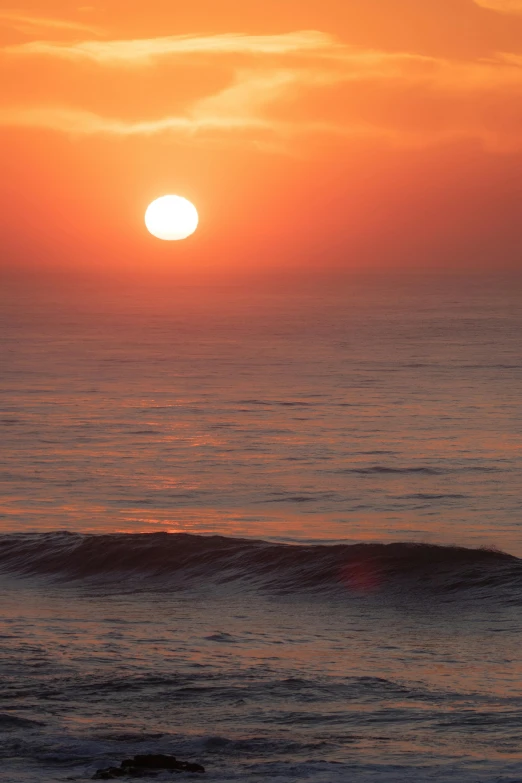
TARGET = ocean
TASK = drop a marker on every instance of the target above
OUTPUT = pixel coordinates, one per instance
(271, 529)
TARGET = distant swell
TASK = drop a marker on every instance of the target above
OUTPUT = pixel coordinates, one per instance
(183, 561)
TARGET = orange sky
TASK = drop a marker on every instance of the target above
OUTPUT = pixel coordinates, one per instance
(333, 134)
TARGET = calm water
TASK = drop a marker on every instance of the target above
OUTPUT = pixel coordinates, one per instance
(380, 412)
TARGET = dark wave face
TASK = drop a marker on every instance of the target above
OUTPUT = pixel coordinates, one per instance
(184, 561)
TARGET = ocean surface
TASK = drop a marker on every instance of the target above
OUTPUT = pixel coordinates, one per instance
(275, 530)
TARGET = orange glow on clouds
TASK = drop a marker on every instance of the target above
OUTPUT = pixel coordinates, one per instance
(339, 135)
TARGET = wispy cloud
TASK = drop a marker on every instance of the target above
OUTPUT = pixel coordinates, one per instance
(512, 59)
(238, 107)
(502, 6)
(330, 90)
(147, 50)
(31, 25)
(78, 122)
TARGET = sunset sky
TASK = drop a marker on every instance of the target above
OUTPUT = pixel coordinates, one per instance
(310, 134)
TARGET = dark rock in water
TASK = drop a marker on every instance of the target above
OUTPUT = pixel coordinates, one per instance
(149, 764)
(156, 761)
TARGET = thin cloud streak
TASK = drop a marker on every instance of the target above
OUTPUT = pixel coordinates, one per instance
(29, 24)
(501, 6)
(147, 50)
(329, 60)
(238, 107)
(78, 122)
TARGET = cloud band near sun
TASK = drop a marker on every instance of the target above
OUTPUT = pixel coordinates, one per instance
(31, 24)
(502, 6)
(287, 86)
(143, 51)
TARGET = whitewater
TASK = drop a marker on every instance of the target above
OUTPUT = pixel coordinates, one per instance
(273, 532)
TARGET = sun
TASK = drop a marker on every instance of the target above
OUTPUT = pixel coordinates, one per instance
(171, 217)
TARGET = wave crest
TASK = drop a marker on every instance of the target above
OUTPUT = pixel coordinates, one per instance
(183, 560)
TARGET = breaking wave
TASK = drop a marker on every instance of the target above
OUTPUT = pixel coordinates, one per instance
(183, 560)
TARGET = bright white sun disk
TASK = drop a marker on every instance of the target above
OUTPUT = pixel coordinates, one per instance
(171, 217)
